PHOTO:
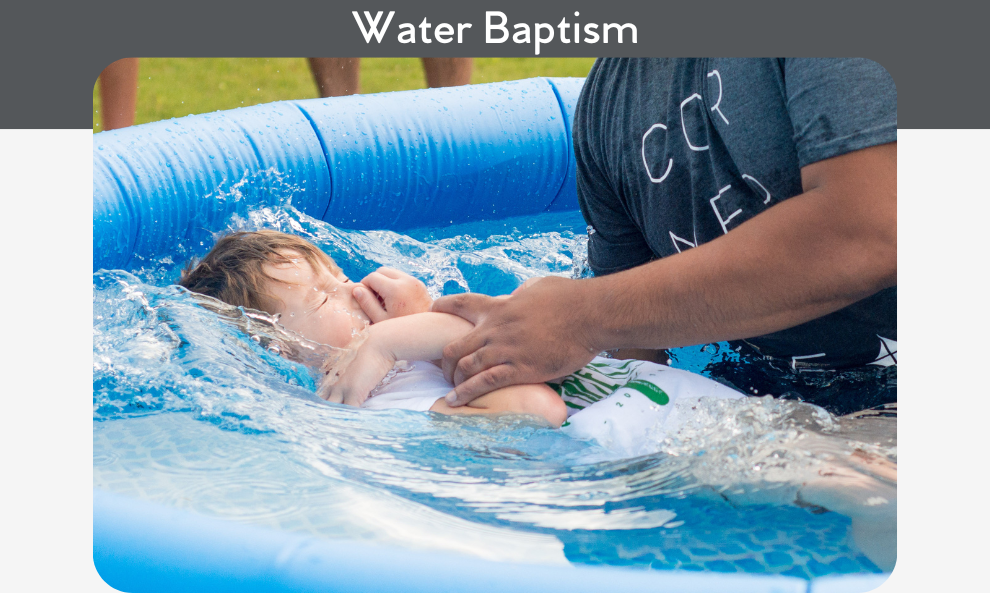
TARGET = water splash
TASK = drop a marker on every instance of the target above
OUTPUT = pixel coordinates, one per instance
(204, 406)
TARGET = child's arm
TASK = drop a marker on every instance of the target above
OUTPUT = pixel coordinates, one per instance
(422, 337)
(534, 399)
(413, 337)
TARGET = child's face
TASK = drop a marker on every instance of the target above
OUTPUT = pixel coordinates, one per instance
(315, 304)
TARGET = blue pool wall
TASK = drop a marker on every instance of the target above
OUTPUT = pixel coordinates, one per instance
(141, 546)
(387, 161)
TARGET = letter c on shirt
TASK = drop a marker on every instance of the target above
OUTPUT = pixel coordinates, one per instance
(646, 164)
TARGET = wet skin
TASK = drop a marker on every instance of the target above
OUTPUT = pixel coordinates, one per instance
(314, 303)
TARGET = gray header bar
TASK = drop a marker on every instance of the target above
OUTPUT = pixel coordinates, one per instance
(53, 55)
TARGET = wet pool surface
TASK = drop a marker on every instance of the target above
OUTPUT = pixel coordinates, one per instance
(191, 412)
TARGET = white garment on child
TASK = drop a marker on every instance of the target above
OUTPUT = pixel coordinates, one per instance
(413, 386)
(647, 402)
(627, 406)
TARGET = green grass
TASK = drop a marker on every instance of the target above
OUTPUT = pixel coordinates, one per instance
(175, 87)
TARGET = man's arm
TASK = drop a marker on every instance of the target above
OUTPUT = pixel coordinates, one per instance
(808, 256)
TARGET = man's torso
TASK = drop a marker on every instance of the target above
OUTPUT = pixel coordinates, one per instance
(674, 153)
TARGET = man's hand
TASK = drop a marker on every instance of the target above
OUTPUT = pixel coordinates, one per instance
(387, 294)
(535, 335)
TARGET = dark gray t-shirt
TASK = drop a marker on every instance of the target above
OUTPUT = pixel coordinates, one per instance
(672, 153)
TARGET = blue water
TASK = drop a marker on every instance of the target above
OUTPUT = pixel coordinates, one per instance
(192, 411)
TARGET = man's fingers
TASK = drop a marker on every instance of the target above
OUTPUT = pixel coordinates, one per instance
(471, 364)
(370, 304)
(480, 384)
(458, 349)
(470, 306)
(390, 273)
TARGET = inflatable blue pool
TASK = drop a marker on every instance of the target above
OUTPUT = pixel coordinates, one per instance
(482, 175)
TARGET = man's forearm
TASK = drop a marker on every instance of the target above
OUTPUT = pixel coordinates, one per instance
(805, 257)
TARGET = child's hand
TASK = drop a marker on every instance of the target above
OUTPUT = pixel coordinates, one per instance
(388, 293)
(369, 366)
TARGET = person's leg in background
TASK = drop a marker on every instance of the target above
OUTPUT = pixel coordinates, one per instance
(447, 71)
(336, 77)
(118, 93)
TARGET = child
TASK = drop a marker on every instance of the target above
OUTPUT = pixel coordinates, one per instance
(295, 281)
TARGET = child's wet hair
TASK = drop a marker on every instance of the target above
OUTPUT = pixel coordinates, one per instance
(234, 270)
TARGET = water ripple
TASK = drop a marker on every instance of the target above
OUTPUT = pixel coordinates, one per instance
(202, 407)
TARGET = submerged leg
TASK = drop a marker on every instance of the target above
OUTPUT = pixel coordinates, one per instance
(871, 503)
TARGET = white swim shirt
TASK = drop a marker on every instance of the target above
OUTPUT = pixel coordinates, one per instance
(416, 387)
